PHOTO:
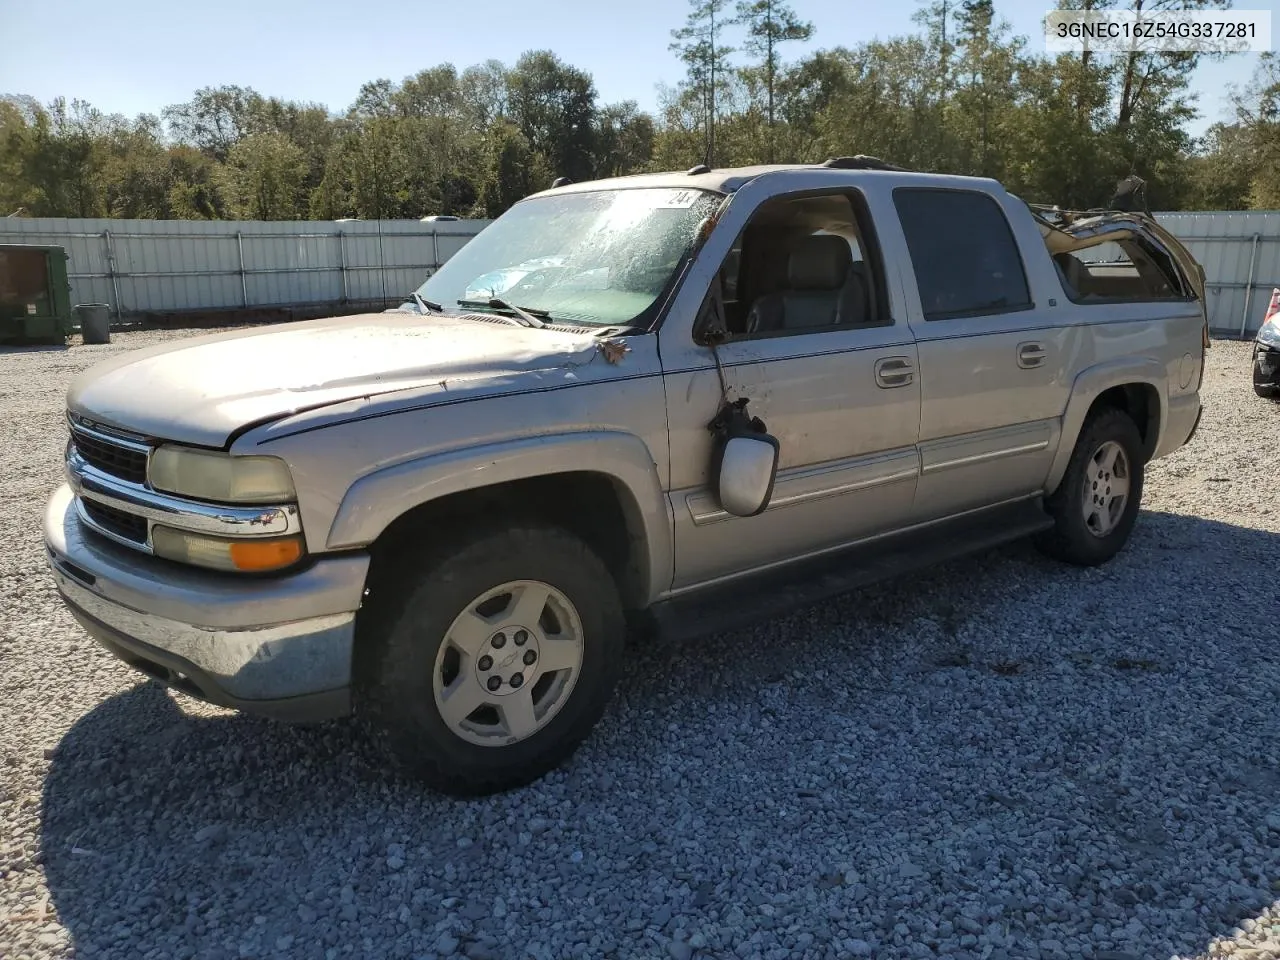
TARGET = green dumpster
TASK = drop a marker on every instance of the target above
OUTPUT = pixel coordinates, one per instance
(35, 297)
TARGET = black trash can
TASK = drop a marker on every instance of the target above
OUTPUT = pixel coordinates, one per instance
(95, 322)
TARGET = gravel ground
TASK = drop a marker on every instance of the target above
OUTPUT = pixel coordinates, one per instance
(1003, 758)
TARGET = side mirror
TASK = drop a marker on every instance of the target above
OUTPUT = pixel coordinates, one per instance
(744, 461)
(747, 471)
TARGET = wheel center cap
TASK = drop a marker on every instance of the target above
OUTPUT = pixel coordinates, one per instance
(508, 660)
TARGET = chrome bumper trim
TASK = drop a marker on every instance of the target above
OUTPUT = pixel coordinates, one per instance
(90, 483)
(217, 601)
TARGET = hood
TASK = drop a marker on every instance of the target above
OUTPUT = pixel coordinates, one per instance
(204, 390)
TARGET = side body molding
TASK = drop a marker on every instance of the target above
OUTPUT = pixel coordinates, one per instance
(377, 499)
(1089, 385)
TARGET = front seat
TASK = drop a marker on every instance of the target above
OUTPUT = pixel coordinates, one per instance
(815, 290)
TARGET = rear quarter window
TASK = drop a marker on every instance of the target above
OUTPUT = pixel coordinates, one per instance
(1127, 271)
(964, 255)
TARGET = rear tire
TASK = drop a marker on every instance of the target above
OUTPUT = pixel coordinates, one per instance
(486, 664)
(1091, 521)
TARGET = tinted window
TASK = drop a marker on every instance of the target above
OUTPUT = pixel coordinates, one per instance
(965, 258)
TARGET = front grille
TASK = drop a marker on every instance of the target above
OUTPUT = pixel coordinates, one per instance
(115, 459)
(115, 521)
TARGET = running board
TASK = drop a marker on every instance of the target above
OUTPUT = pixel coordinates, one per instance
(760, 596)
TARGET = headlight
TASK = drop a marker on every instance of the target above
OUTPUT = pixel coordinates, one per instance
(220, 477)
(221, 553)
(1270, 334)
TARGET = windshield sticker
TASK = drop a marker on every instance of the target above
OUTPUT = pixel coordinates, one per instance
(679, 200)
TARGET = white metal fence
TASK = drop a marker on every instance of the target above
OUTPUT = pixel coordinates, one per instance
(1240, 252)
(172, 266)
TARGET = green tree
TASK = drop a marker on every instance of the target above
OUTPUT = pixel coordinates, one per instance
(433, 92)
(554, 106)
(195, 185)
(375, 99)
(888, 106)
(17, 145)
(64, 165)
(214, 119)
(985, 113)
(510, 167)
(623, 140)
(700, 45)
(264, 176)
(936, 16)
(136, 170)
(961, 94)
(483, 92)
(770, 23)
(1240, 162)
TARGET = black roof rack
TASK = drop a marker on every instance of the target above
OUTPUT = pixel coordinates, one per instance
(560, 182)
(700, 168)
(861, 162)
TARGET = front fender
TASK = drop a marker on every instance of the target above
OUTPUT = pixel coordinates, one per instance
(375, 500)
(1091, 383)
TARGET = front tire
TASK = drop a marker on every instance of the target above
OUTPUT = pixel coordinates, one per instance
(1096, 504)
(492, 661)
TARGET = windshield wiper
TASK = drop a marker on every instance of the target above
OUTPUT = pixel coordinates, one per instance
(425, 306)
(530, 318)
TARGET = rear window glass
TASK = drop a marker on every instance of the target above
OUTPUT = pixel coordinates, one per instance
(965, 258)
(1123, 271)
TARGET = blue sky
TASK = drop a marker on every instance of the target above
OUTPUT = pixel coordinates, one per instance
(130, 56)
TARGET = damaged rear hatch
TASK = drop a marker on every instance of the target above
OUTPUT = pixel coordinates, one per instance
(1155, 258)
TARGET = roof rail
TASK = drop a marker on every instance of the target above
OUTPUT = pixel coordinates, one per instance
(861, 162)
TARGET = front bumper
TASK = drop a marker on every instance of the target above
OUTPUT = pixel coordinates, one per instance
(1266, 370)
(275, 646)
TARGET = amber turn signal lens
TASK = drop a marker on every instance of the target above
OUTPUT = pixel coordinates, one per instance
(251, 555)
(223, 553)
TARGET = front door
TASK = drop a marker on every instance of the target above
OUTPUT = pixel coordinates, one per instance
(819, 346)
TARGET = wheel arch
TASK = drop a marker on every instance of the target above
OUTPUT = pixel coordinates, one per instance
(1135, 386)
(601, 485)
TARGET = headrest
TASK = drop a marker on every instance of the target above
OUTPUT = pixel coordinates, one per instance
(819, 263)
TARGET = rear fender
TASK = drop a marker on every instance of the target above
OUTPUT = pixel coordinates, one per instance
(1091, 384)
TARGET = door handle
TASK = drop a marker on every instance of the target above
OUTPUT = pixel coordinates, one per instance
(1031, 355)
(894, 372)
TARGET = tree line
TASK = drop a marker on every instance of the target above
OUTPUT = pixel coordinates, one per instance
(962, 94)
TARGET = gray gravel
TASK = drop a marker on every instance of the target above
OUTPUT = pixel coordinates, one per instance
(1001, 758)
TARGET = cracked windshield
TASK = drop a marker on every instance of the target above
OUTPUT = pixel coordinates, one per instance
(598, 257)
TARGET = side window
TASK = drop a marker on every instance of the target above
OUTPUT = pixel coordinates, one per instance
(1122, 271)
(801, 265)
(965, 257)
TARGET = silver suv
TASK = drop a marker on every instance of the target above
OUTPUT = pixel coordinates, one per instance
(701, 398)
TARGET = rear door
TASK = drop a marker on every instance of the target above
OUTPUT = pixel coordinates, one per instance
(995, 361)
